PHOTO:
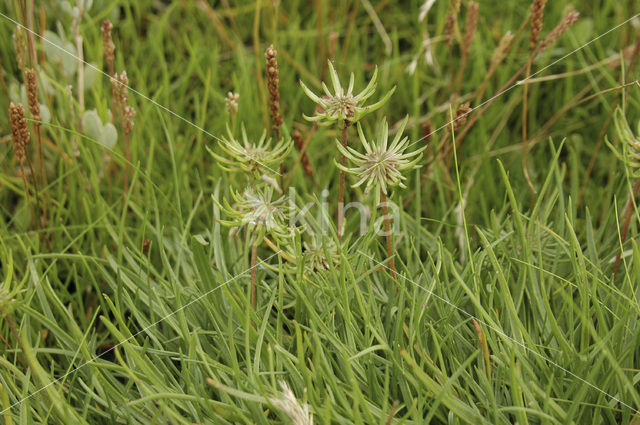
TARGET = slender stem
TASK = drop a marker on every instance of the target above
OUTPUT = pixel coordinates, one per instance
(343, 162)
(112, 74)
(80, 56)
(627, 221)
(35, 187)
(43, 175)
(127, 166)
(387, 231)
(254, 291)
(525, 141)
(26, 192)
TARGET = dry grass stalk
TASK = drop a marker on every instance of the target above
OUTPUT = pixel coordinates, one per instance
(75, 29)
(21, 138)
(537, 16)
(461, 116)
(34, 108)
(19, 132)
(558, 31)
(20, 44)
(449, 28)
(470, 27)
(501, 51)
(273, 80)
(109, 54)
(427, 131)
(488, 104)
(551, 38)
(128, 118)
(300, 145)
(120, 87)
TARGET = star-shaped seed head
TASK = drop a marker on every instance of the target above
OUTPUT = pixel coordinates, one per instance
(343, 105)
(251, 157)
(382, 164)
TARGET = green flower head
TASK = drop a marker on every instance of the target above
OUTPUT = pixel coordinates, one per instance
(251, 157)
(341, 105)
(256, 209)
(381, 165)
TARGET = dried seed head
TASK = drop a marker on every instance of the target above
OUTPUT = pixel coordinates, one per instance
(470, 27)
(426, 131)
(299, 413)
(32, 94)
(452, 18)
(19, 131)
(461, 116)
(128, 118)
(272, 81)
(449, 26)
(537, 15)
(120, 86)
(558, 31)
(20, 44)
(107, 43)
(298, 141)
(231, 103)
(501, 50)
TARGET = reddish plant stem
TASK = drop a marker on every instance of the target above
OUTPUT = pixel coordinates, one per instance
(387, 231)
(627, 220)
(343, 162)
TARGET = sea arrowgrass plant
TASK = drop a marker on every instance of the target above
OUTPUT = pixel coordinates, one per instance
(255, 208)
(343, 108)
(380, 167)
(258, 211)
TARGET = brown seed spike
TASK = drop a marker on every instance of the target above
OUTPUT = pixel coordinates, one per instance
(470, 27)
(461, 116)
(273, 81)
(32, 94)
(558, 31)
(19, 131)
(107, 43)
(537, 15)
(20, 44)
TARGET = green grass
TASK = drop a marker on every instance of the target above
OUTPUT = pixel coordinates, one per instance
(557, 339)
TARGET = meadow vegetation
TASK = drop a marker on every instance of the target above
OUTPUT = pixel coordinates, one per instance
(329, 212)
